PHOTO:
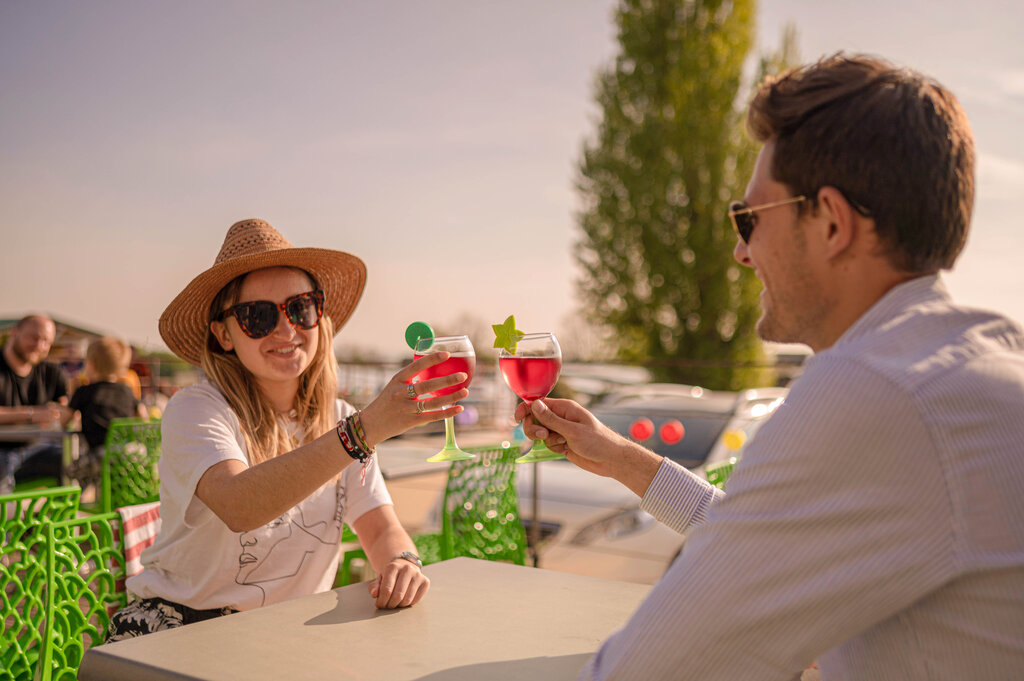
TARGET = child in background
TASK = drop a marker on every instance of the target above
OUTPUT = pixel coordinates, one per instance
(101, 400)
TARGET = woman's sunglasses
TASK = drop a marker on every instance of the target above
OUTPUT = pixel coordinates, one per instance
(257, 318)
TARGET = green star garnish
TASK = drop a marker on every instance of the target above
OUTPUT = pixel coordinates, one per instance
(506, 335)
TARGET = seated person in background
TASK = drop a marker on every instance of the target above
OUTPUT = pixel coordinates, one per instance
(32, 392)
(256, 466)
(99, 401)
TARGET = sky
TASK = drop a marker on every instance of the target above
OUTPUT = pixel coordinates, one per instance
(437, 140)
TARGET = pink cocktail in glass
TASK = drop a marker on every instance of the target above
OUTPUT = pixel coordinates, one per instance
(463, 358)
(531, 372)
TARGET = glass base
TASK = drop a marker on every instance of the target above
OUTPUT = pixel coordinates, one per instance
(539, 452)
(450, 451)
(451, 454)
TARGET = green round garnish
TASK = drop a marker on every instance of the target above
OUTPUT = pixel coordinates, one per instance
(416, 331)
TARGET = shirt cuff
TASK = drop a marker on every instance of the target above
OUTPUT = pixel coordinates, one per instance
(678, 498)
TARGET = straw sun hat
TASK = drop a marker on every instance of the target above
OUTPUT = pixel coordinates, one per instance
(251, 245)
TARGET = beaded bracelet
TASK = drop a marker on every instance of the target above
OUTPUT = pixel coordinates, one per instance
(355, 423)
(352, 444)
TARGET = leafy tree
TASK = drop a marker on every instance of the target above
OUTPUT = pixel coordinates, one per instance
(669, 154)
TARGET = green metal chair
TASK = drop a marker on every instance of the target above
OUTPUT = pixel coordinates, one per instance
(23, 519)
(130, 474)
(85, 568)
(479, 514)
(718, 473)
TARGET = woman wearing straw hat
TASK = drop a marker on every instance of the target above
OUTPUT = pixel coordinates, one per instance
(257, 470)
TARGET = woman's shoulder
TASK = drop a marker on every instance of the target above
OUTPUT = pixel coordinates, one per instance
(203, 395)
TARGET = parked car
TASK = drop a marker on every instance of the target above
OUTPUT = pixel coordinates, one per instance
(593, 525)
(588, 524)
(653, 413)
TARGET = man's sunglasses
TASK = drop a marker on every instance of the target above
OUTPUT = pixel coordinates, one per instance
(744, 217)
(257, 318)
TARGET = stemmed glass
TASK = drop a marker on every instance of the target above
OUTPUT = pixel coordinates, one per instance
(463, 359)
(531, 372)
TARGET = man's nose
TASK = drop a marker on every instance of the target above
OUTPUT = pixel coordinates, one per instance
(740, 254)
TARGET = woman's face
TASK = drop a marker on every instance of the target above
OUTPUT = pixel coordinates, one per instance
(277, 360)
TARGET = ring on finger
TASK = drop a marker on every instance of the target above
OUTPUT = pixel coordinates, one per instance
(419, 406)
(410, 390)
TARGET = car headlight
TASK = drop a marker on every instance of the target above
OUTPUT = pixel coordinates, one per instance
(620, 524)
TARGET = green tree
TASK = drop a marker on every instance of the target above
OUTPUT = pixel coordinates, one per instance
(669, 153)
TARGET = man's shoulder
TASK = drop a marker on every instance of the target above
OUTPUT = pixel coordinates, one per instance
(925, 341)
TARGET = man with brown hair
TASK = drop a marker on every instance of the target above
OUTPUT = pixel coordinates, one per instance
(32, 391)
(876, 522)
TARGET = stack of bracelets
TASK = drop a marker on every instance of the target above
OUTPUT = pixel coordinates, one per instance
(353, 439)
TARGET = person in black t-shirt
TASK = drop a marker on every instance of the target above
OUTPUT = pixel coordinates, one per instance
(32, 391)
(101, 400)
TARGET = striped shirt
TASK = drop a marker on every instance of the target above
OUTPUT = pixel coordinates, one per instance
(875, 523)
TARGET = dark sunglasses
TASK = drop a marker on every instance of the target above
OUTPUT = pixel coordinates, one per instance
(744, 217)
(257, 318)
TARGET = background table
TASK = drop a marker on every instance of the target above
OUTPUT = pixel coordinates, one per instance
(480, 620)
(35, 433)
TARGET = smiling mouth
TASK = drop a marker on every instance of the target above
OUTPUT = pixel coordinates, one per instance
(284, 351)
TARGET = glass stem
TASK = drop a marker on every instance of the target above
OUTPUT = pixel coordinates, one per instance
(449, 433)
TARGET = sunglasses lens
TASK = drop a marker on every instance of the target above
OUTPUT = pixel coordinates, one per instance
(256, 319)
(742, 220)
(304, 310)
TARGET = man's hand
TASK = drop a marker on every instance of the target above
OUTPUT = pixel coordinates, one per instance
(568, 428)
(399, 585)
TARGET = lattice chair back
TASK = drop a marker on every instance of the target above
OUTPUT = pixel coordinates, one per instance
(718, 473)
(480, 515)
(23, 519)
(85, 564)
(130, 474)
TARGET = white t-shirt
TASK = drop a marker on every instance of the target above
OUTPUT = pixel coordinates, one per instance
(197, 561)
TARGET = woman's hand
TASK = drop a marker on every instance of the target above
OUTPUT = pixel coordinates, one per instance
(399, 585)
(399, 406)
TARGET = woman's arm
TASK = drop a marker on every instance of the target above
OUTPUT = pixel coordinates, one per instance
(399, 583)
(246, 497)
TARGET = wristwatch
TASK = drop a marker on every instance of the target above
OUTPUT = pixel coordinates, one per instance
(409, 556)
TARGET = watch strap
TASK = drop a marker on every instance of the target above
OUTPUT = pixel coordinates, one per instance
(409, 556)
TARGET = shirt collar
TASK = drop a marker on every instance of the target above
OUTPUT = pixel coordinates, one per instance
(923, 290)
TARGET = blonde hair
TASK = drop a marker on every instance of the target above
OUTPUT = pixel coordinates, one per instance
(314, 406)
(109, 356)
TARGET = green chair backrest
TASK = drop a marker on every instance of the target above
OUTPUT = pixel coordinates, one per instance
(85, 570)
(718, 473)
(23, 520)
(130, 474)
(480, 514)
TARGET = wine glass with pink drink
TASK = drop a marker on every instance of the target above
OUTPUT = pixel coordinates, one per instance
(531, 371)
(463, 359)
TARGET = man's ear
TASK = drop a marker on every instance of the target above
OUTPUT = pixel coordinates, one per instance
(839, 220)
(220, 332)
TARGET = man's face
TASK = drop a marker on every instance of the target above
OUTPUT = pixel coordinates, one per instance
(790, 301)
(31, 341)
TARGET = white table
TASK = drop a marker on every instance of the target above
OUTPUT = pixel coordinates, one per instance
(481, 620)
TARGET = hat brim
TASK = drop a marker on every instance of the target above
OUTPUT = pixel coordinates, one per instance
(184, 324)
